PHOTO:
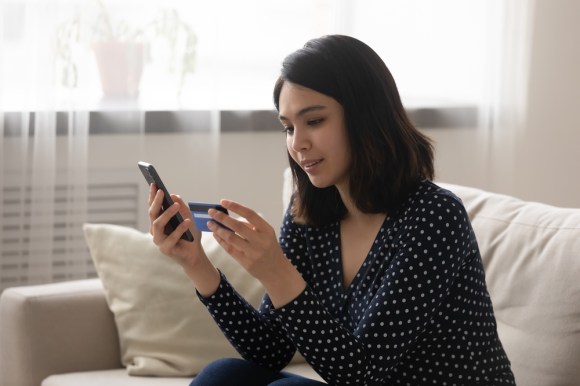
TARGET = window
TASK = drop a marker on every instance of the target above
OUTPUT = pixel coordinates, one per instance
(204, 55)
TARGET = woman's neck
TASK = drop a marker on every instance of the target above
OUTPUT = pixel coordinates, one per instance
(353, 213)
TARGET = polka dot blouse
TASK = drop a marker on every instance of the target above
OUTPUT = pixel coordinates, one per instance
(417, 312)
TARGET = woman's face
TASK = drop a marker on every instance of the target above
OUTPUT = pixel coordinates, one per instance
(316, 135)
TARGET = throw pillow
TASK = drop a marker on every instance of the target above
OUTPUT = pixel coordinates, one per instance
(164, 330)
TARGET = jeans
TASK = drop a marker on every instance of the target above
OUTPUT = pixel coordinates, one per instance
(239, 372)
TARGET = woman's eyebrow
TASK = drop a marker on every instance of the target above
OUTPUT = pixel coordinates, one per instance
(303, 111)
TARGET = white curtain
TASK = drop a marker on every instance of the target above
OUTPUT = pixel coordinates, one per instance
(43, 181)
(503, 107)
(212, 55)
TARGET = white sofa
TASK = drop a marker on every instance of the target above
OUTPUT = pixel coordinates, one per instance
(64, 334)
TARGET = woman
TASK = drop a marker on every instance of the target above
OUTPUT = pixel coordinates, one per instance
(376, 278)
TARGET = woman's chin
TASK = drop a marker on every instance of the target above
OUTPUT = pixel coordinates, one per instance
(319, 183)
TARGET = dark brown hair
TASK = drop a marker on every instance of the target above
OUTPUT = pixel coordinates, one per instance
(390, 157)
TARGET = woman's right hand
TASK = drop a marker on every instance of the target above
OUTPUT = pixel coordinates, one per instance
(190, 255)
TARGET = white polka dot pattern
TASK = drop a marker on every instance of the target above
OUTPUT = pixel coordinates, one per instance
(417, 312)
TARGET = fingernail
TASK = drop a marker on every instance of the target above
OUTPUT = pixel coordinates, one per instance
(211, 225)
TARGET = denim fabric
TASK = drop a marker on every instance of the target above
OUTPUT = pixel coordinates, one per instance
(239, 372)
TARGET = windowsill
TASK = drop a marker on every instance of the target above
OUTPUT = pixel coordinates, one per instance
(228, 121)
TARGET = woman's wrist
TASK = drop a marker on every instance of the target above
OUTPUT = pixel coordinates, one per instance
(284, 283)
(204, 275)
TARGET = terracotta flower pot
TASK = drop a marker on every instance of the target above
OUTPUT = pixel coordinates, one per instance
(120, 67)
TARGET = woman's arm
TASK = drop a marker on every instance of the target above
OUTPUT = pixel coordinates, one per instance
(256, 335)
(253, 243)
(403, 303)
(190, 255)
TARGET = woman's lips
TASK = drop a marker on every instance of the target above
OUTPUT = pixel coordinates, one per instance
(310, 165)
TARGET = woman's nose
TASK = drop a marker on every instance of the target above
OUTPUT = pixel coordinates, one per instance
(300, 141)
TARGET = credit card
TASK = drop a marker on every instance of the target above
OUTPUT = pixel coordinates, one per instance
(201, 217)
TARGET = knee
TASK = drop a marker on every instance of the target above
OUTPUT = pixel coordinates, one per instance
(217, 373)
(229, 371)
(224, 372)
(223, 364)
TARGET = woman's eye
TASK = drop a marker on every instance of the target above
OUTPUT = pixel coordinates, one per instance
(314, 122)
(288, 129)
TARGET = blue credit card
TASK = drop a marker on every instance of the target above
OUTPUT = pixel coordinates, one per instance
(201, 217)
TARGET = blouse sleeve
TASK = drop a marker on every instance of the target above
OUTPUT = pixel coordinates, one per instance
(429, 248)
(257, 335)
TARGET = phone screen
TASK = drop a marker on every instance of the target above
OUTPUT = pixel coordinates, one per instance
(152, 177)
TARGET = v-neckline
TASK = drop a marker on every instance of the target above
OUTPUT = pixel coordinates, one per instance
(346, 290)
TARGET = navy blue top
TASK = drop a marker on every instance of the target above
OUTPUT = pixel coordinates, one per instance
(417, 311)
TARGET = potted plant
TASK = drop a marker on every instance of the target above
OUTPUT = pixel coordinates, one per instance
(120, 55)
(122, 50)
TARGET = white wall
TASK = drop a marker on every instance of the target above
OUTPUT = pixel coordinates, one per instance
(542, 162)
(548, 153)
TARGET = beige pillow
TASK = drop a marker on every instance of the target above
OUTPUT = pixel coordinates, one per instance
(531, 254)
(164, 330)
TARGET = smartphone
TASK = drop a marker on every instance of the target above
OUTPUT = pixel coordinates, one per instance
(152, 177)
(201, 217)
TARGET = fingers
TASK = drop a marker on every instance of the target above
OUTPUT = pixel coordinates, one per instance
(152, 192)
(159, 222)
(253, 243)
(247, 235)
(177, 198)
(228, 240)
(183, 206)
(155, 200)
(237, 228)
(245, 229)
(247, 213)
(174, 237)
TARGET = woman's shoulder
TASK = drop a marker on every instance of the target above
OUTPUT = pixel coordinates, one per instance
(431, 189)
(432, 198)
(432, 211)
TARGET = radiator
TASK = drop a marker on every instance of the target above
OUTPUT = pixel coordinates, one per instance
(35, 253)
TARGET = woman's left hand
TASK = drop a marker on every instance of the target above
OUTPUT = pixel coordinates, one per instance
(254, 245)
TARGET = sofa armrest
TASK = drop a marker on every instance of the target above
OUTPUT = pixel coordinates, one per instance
(55, 328)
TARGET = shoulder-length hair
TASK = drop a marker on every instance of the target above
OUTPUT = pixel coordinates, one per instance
(390, 157)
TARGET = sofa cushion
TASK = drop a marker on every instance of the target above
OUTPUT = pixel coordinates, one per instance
(164, 330)
(116, 377)
(531, 254)
(46, 329)
(119, 377)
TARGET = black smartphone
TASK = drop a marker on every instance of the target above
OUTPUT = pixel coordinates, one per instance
(152, 177)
